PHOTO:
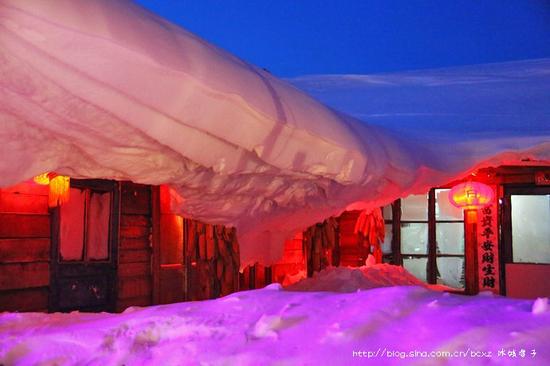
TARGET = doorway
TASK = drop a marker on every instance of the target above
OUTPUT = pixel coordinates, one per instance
(84, 248)
(526, 241)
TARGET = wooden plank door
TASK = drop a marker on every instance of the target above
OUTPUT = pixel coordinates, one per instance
(84, 248)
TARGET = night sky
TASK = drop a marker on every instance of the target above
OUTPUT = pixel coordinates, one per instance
(300, 37)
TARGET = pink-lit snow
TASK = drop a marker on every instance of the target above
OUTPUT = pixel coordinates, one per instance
(105, 89)
(272, 326)
(344, 279)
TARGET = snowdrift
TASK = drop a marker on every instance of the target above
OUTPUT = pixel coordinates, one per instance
(391, 325)
(347, 279)
(105, 89)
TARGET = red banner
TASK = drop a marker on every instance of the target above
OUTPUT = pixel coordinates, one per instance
(487, 239)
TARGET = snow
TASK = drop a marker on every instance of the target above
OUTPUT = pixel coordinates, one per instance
(351, 279)
(540, 306)
(275, 326)
(105, 89)
(344, 279)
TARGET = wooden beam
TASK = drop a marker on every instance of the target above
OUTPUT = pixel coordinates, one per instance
(470, 256)
(135, 220)
(252, 277)
(134, 232)
(134, 243)
(24, 250)
(31, 299)
(28, 187)
(134, 269)
(134, 256)
(431, 275)
(134, 287)
(268, 275)
(24, 226)
(396, 233)
(24, 275)
(11, 202)
(156, 243)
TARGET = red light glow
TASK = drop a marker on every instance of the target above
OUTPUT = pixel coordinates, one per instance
(471, 195)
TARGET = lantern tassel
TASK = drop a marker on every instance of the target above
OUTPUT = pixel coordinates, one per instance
(59, 191)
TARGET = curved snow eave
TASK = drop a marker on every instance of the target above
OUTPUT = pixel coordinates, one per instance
(275, 120)
(123, 94)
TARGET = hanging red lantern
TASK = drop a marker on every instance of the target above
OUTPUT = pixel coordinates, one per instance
(59, 187)
(471, 195)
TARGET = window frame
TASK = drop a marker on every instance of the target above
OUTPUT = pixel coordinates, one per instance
(89, 185)
(510, 190)
(431, 266)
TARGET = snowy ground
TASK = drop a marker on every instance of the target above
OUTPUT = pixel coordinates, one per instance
(273, 326)
(345, 279)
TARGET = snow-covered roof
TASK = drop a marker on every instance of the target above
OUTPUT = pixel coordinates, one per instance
(106, 89)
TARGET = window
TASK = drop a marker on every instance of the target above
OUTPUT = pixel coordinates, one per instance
(530, 228)
(414, 234)
(84, 226)
(429, 234)
(449, 237)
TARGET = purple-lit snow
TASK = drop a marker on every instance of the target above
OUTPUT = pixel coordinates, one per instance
(120, 93)
(272, 326)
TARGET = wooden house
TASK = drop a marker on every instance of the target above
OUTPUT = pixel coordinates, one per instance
(117, 244)
(92, 254)
(505, 250)
(114, 245)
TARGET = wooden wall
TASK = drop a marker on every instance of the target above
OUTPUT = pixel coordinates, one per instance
(24, 248)
(212, 260)
(322, 246)
(134, 255)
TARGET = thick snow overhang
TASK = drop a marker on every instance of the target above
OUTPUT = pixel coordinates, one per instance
(105, 89)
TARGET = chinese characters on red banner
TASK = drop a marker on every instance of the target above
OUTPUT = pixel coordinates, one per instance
(487, 238)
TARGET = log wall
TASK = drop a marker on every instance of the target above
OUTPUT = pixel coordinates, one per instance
(321, 245)
(24, 248)
(211, 253)
(134, 254)
(191, 260)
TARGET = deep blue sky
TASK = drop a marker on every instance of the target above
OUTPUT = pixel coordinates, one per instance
(299, 37)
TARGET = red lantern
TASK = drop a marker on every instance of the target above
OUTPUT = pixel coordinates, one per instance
(471, 195)
(59, 187)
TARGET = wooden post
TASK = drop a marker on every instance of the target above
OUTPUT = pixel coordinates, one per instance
(470, 255)
(268, 275)
(396, 233)
(186, 260)
(431, 269)
(155, 243)
(252, 277)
